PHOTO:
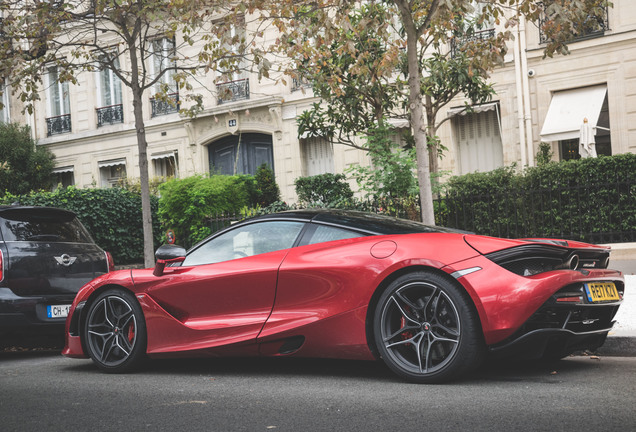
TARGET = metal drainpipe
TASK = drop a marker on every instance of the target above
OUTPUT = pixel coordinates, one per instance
(526, 90)
(520, 97)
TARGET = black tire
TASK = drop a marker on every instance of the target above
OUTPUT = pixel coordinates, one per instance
(115, 332)
(427, 330)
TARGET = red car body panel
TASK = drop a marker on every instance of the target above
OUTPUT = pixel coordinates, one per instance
(321, 292)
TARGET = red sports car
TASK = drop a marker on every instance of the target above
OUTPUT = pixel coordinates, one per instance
(430, 302)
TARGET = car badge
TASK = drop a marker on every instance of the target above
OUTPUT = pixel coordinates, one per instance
(65, 260)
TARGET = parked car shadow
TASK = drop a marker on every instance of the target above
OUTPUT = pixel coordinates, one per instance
(272, 368)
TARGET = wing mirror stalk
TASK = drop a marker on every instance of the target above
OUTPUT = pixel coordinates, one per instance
(167, 254)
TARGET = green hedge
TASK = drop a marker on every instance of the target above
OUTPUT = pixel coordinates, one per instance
(187, 205)
(113, 217)
(325, 189)
(589, 199)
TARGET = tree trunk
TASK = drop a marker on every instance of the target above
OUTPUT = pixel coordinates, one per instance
(417, 124)
(142, 146)
(431, 139)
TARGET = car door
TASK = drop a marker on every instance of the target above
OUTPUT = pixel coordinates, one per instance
(227, 285)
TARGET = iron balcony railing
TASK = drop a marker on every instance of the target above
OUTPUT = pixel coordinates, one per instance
(593, 26)
(58, 125)
(233, 90)
(161, 107)
(457, 43)
(110, 115)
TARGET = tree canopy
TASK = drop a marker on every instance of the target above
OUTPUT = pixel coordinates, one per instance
(156, 46)
(425, 48)
(23, 165)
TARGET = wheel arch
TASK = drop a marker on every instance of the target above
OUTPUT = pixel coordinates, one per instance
(373, 303)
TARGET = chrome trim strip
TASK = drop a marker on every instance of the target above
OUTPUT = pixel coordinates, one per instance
(460, 273)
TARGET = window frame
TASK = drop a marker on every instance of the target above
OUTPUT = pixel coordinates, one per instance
(57, 88)
(232, 232)
(161, 59)
(114, 86)
(604, 26)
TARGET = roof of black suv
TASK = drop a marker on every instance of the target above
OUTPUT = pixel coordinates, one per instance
(23, 212)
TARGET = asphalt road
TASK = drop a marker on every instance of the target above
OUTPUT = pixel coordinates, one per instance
(46, 392)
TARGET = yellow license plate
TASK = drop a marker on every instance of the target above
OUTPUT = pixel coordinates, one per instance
(601, 292)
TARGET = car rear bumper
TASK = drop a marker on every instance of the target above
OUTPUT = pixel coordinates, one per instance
(23, 315)
(557, 329)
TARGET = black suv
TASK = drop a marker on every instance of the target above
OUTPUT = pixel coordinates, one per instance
(46, 255)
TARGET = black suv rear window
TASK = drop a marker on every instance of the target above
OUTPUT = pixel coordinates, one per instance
(48, 225)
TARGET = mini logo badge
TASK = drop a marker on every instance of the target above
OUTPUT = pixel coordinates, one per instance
(65, 260)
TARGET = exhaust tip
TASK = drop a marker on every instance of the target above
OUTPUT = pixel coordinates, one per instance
(573, 262)
(605, 262)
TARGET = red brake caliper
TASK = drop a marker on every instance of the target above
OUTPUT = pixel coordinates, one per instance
(131, 333)
(406, 334)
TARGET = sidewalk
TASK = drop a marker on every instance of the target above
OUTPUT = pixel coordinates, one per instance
(621, 341)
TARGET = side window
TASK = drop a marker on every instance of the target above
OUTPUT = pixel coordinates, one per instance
(325, 233)
(244, 241)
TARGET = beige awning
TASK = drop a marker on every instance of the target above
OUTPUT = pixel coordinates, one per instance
(492, 106)
(569, 108)
(165, 155)
(64, 169)
(398, 122)
(110, 163)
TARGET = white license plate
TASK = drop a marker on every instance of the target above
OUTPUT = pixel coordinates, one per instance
(57, 311)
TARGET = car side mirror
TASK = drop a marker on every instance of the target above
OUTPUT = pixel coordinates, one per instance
(167, 254)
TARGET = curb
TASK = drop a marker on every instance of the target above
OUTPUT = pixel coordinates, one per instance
(617, 346)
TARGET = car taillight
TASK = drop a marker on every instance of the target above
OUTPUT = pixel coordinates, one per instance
(111, 263)
(1, 266)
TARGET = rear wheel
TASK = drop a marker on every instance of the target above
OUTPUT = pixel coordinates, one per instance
(115, 332)
(426, 329)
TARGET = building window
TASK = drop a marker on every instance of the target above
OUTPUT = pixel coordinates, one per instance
(569, 148)
(478, 138)
(237, 86)
(110, 109)
(59, 104)
(240, 154)
(592, 25)
(112, 172)
(165, 165)
(569, 112)
(317, 156)
(163, 64)
(299, 83)
(63, 177)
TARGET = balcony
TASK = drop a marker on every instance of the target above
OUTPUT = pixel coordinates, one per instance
(593, 26)
(58, 125)
(110, 115)
(165, 107)
(233, 91)
(457, 43)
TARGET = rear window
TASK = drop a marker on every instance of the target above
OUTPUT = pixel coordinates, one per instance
(42, 226)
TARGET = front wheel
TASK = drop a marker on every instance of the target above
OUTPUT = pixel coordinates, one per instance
(115, 332)
(426, 329)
